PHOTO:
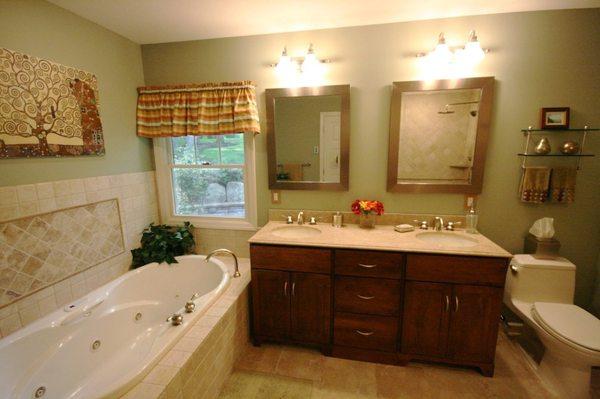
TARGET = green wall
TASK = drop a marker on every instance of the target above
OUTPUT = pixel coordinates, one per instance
(43, 30)
(539, 59)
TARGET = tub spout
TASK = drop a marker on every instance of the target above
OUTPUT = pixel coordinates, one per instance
(226, 251)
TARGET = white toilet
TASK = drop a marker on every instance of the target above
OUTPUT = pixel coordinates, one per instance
(541, 292)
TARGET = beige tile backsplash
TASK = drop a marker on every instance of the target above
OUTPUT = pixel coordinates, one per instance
(136, 196)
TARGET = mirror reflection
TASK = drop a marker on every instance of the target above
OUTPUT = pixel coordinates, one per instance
(308, 137)
(307, 142)
(437, 136)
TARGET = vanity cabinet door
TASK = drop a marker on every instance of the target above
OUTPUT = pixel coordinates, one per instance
(311, 307)
(474, 323)
(271, 301)
(426, 317)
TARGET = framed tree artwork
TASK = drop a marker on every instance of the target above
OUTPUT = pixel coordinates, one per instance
(47, 109)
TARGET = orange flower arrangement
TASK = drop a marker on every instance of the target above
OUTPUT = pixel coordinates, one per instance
(366, 207)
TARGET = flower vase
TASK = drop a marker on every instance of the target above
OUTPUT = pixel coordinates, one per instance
(367, 220)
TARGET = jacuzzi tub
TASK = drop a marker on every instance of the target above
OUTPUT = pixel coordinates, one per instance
(104, 343)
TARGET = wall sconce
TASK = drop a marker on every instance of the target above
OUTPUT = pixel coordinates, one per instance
(468, 56)
(308, 69)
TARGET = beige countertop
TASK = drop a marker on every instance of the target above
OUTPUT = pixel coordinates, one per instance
(383, 238)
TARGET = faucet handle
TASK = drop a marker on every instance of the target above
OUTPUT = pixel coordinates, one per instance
(312, 220)
(288, 219)
(451, 225)
(423, 224)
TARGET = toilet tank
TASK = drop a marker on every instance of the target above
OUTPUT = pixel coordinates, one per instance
(540, 280)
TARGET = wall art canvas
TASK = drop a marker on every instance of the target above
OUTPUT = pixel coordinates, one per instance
(47, 109)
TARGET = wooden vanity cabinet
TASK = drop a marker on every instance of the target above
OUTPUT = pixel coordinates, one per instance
(291, 295)
(452, 309)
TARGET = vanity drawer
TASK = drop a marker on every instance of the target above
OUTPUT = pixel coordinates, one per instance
(367, 332)
(297, 259)
(351, 262)
(367, 295)
(456, 269)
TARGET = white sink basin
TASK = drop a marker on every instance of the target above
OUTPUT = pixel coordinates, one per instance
(446, 239)
(296, 231)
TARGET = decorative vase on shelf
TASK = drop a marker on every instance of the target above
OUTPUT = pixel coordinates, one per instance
(569, 147)
(367, 220)
(543, 147)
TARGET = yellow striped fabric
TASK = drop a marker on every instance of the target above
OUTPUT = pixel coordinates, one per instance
(196, 110)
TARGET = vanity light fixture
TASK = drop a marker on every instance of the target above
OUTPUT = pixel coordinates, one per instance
(308, 68)
(470, 55)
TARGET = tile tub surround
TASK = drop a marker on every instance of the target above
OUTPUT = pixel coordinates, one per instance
(393, 219)
(38, 251)
(201, 361)
(136, 193)
(382, 237)
(208, 240)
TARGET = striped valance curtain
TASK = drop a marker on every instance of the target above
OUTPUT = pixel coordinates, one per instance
(195, 110)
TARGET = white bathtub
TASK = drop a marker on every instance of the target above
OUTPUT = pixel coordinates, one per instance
(57, 355)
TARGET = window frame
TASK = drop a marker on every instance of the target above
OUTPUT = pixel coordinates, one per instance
(166, 199)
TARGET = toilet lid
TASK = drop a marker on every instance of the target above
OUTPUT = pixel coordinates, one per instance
(570, 322)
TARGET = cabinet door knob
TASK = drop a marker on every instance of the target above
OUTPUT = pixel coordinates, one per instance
(366, 297)
(447, 303)
(366, 266)
(364, 333)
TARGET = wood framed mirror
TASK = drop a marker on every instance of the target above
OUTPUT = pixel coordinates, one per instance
(438, 135)
(308, 137)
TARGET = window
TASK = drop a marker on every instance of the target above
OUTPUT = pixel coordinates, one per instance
(208, 180)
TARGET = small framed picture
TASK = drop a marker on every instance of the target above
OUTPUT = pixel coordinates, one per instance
(555, 118)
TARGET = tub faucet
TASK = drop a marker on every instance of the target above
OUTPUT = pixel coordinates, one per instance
(438, 223)
(225, 251)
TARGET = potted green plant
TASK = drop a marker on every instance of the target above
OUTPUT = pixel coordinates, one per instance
(162, 243)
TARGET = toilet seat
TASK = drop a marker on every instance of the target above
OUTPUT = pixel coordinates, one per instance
(569, 323)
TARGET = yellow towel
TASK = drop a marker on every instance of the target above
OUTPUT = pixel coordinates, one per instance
(294, 171)
(563, 184)
(535, 184)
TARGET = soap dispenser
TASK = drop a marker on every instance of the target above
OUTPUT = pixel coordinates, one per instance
(471, 221)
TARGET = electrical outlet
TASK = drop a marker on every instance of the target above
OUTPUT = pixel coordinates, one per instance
(275, 197)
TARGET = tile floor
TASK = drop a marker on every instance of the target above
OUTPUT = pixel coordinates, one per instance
(289, 372)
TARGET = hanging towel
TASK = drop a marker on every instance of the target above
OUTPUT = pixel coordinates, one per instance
(562, 184)
(535, 184)
(294, 170)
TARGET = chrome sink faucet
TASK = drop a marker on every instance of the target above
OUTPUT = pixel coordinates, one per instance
(300, 218)
(225, 251)
(438, 223)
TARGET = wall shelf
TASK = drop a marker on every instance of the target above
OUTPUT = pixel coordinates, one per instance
(583, 129)
(555, 155)
(530, 131)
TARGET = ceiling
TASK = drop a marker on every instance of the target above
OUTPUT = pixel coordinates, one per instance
(160, 21)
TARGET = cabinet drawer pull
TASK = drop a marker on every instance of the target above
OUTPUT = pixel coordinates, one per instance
(456, 303)
(294, 288)
(365, 297)
(447, 303)
(364, 333)
(366, 266)
(285, 286)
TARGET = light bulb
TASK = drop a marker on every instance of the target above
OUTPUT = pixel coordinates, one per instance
(312, 68)
(441, 54)
(286, 68)
(473, 52)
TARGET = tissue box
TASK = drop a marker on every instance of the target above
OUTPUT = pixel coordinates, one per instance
(542, 248)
